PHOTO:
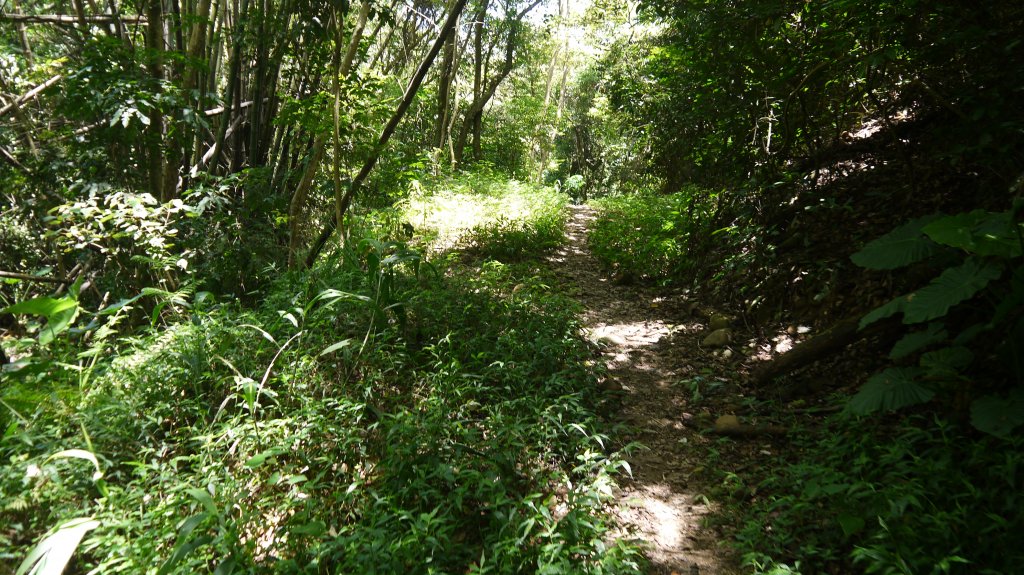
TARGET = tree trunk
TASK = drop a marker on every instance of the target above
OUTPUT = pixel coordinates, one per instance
(444, 85)
(234, 67)
(474, 115)
(154, 135)
(296, 208)
(478, 66)
(389, 129)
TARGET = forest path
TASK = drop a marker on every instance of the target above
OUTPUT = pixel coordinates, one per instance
(650, 342)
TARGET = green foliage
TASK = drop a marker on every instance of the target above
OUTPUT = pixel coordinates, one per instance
(133, 234)
(733, 89)
(647, 236)
(920, 497)
(511, 240)
(235, 244)
(488, 214)
(899, 248)
(991, 243)
(368, 416)
(890, 390)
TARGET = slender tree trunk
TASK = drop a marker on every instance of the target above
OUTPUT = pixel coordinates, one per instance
(234, 67)
(155, 43)
(23, 39)
(444, 85)
(296, 208)
(474, 115)
(478, 55)
(389, 129)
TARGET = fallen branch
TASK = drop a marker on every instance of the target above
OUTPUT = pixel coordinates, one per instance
(220, 109)
(836, 338)
(743, 431)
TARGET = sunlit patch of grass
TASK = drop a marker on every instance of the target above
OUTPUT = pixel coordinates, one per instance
(471, 205)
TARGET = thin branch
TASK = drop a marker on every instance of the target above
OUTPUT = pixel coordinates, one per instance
(12, 160)
(27, 277)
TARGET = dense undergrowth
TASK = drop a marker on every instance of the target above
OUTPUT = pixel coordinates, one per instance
(914, 496)
(650, 236)
(379, 414)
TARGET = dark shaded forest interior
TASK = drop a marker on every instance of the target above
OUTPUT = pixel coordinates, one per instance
(510, 286)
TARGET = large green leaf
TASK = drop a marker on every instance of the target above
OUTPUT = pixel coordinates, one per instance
(895, 306)
(890, 390)
(57, 324)
(918, 340)
(946, 363)
(999, 416)
(44, 306)
(952, 287)
(901, 247)
(54, 552)
(980, 232)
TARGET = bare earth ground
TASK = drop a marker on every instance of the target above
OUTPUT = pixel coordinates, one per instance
(650, 343)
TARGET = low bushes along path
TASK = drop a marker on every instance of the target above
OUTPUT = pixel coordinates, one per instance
(648, 342)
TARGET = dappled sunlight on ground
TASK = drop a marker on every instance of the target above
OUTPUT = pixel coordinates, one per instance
(643, 337)
(668, 523)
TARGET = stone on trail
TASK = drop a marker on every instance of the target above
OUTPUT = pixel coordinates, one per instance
(727, 423)
(719, 321)
(611, 385)
(718, 338)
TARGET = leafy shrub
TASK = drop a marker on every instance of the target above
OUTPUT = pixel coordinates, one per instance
(132, 234)
(647, 235)
(923, 497)
(494, 216)
(981, 253)
(364, 418)
(236, 243)
(510, 240)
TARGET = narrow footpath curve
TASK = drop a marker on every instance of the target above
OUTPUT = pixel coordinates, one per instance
(648, 343)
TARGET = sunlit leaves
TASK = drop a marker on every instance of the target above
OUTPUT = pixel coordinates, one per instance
(53, 553)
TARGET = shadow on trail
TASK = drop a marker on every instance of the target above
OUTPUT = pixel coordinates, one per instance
(648, 340)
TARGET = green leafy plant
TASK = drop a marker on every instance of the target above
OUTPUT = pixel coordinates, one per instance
(919, 495)
(647, 235)
(983, 277)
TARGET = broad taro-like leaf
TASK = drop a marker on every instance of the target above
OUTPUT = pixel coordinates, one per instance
(947, 362)
(999, 416)
(979, 232)
(893, 307)
(901, 247)
(1013, 298)
(952, 287)
(890, 390)
(918, 340)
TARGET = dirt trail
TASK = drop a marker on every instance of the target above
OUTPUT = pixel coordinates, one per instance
(648, 340)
